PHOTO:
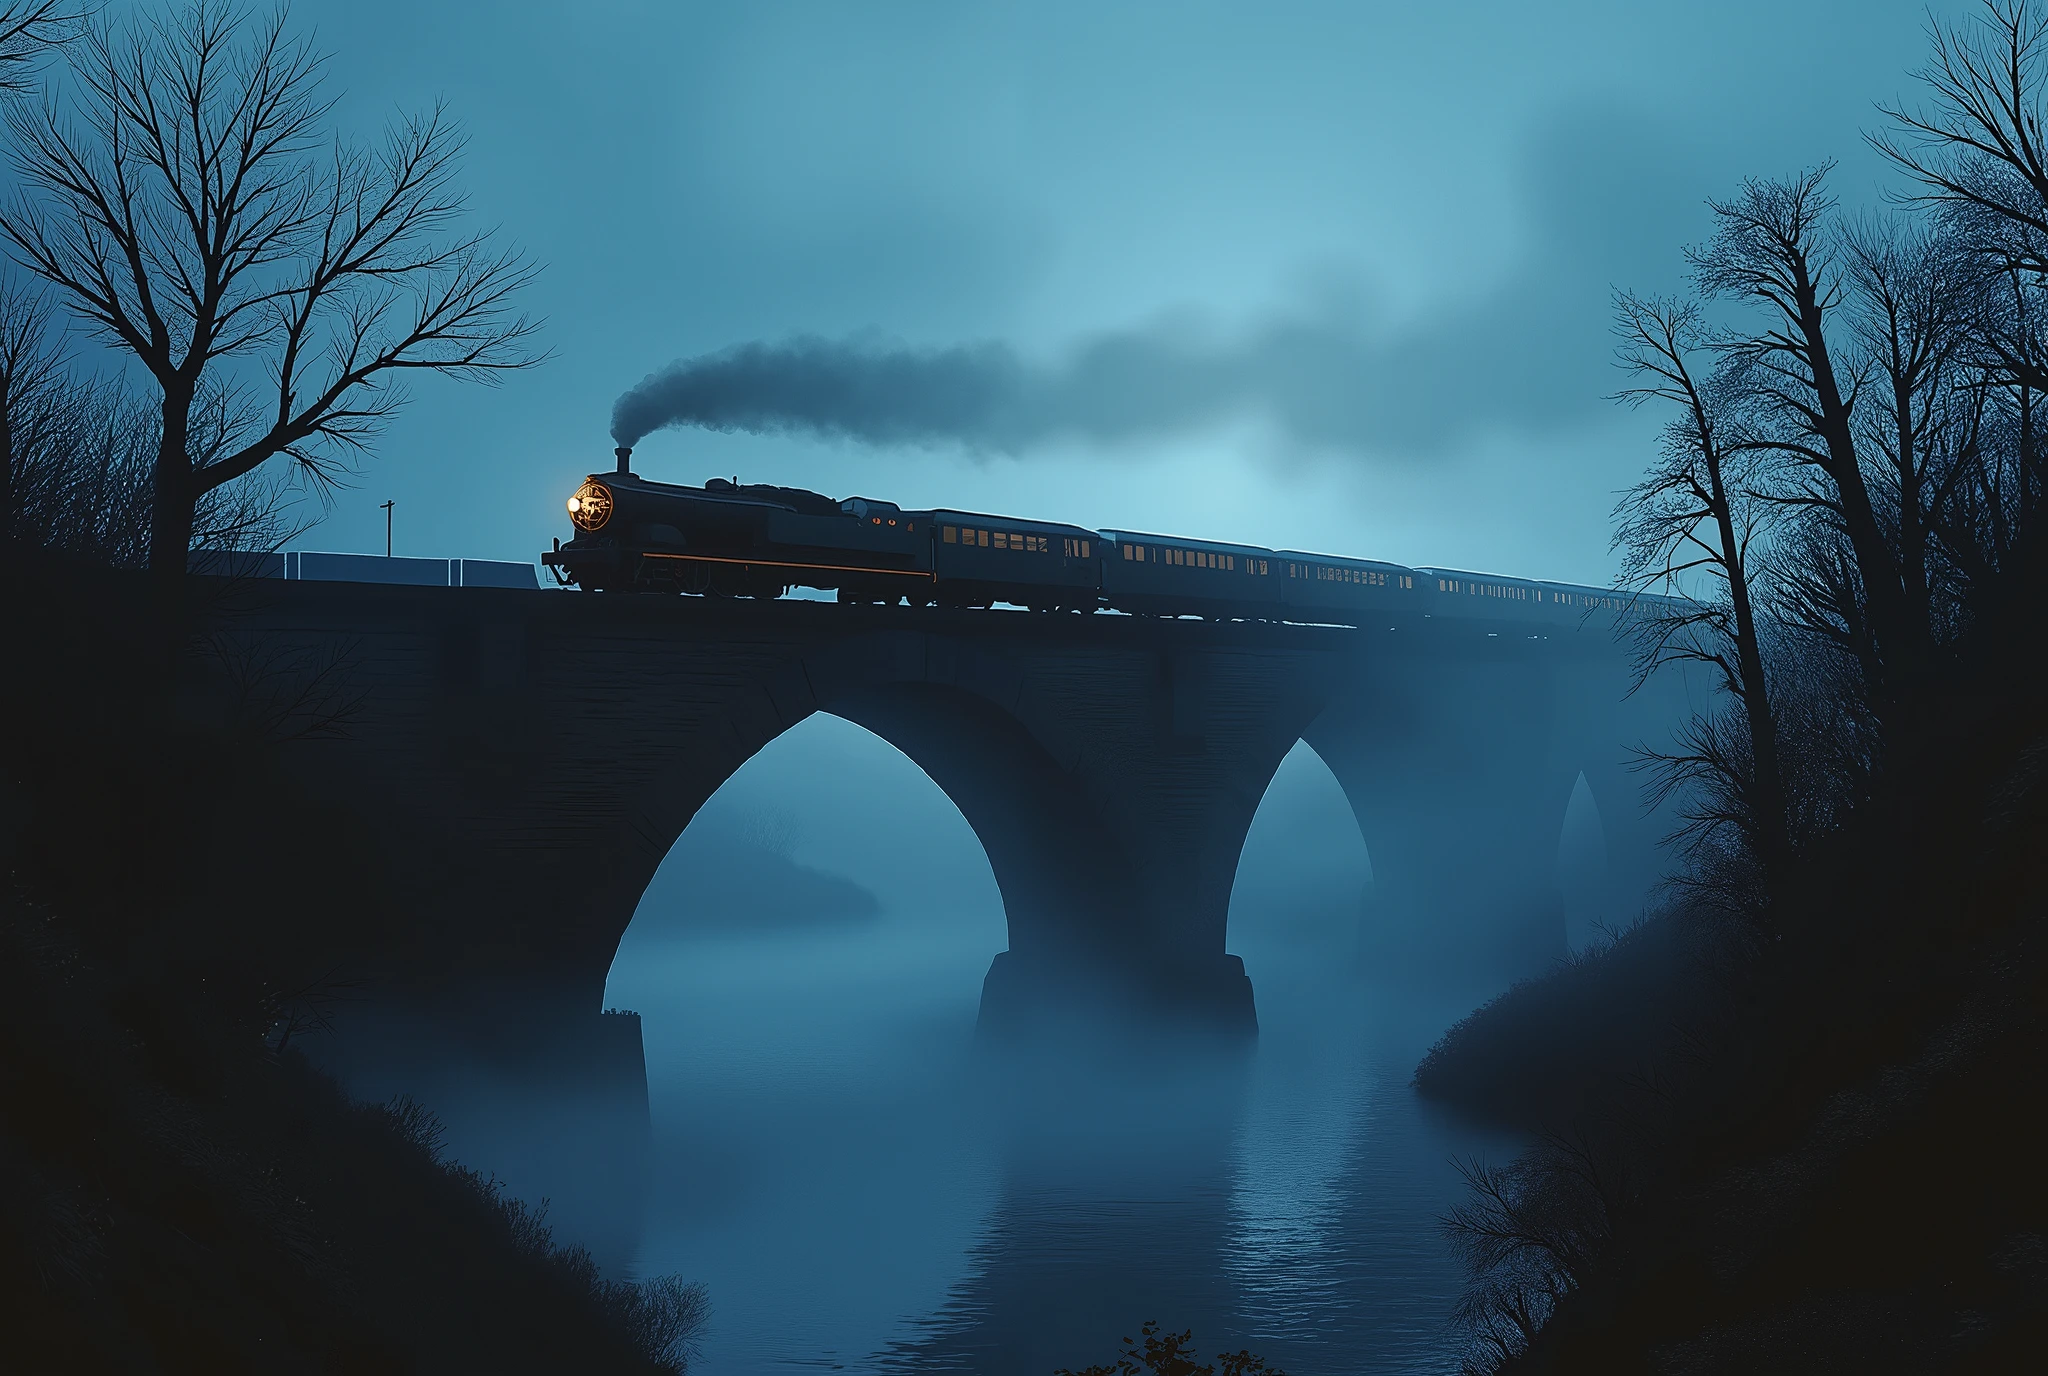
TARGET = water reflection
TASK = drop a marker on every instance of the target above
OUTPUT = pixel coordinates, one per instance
(892, 1201)
(865, 1190)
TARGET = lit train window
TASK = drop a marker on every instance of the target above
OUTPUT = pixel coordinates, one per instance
(950, 534)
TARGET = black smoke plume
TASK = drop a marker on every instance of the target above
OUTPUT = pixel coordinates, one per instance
(982, 396)
(1321, 382)
(1527, 353)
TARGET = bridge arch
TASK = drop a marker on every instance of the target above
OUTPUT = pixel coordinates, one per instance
(825, 863)
(1114, 867)
(1305, 869)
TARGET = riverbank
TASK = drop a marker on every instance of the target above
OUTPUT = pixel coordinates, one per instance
(1810, 1149)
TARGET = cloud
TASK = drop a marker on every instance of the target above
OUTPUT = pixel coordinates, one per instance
(1605, 203)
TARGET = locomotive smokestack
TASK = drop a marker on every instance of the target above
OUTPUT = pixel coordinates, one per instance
(625, 453)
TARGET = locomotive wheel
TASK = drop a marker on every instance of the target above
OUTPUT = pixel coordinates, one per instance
(694, 578)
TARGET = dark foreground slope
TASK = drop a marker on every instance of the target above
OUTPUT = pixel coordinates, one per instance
(1817, 1146)
(179, 1189)
(174, 1197)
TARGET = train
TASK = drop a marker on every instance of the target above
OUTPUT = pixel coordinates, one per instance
(733, 539)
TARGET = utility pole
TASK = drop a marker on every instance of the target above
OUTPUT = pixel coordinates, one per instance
(387, 526)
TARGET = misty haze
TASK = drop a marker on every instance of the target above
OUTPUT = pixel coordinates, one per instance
(1054, 690)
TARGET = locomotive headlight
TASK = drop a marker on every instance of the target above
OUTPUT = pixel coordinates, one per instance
(591, 507)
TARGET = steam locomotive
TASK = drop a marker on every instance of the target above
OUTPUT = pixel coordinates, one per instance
(755, 540)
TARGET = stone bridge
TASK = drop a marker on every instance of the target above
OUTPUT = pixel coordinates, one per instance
(528, 758)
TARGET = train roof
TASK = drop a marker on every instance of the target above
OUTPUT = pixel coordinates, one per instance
(1016, 522)
(1343, 560)
(1510, 580)
(1476, 577)
(1221, 546)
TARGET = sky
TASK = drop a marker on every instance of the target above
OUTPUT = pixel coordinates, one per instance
(1403, 222)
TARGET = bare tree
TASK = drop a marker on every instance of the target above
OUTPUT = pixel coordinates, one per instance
(185, 201)
(1914, 292)
(1977, 148)
(1689, 529)
(1990, 524)
(1770, 246)
(1531, 1232)
(28, 30)
(31, 371)
(77, 455)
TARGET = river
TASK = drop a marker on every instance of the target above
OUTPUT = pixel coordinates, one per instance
(865, 1189)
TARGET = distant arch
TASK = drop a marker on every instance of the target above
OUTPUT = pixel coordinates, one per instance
(1583, 882)
(1305, 868)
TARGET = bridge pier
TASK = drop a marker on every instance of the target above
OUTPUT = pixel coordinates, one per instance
(1456, 774)
(1113, 832)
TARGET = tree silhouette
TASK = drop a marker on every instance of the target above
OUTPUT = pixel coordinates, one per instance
(183, 196)
(1691, 526)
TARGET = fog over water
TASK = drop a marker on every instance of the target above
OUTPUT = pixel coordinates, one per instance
(865, 1189)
